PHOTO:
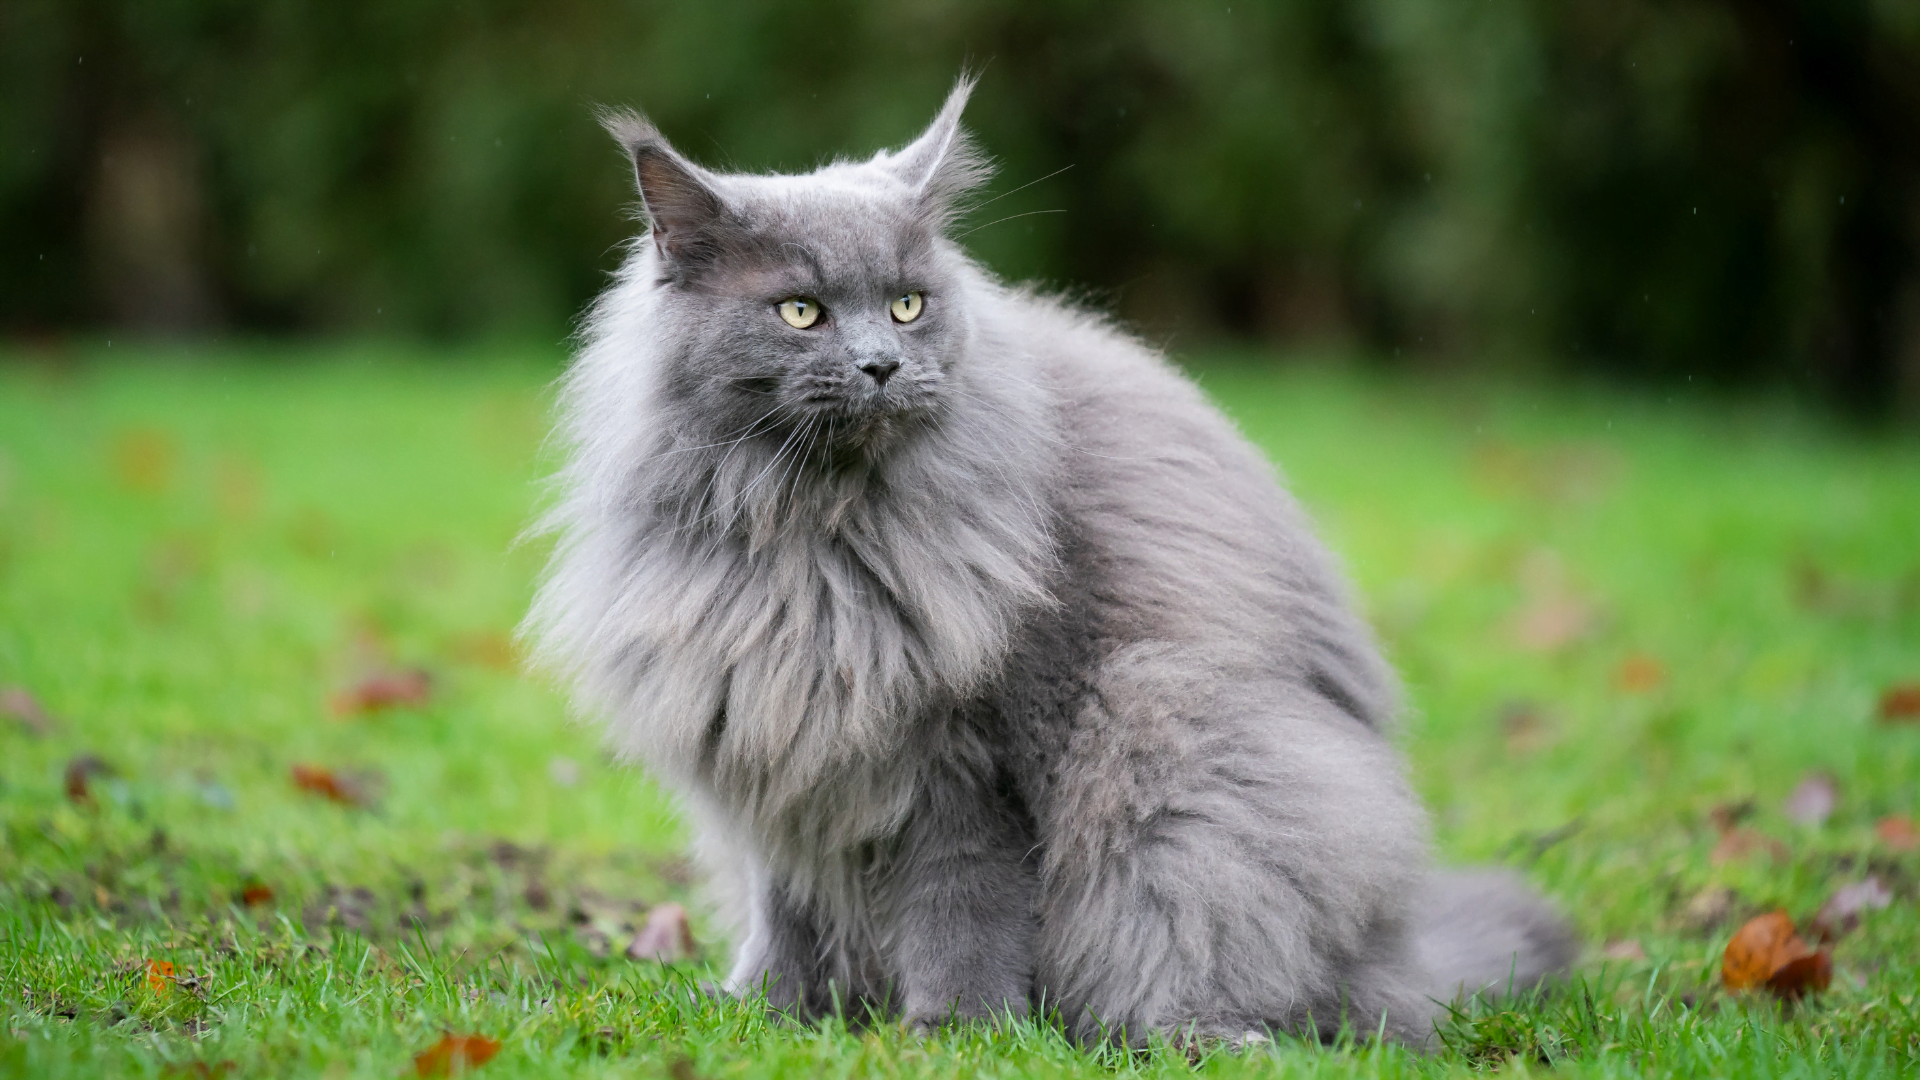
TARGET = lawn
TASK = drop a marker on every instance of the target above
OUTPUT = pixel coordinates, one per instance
(1629, 628)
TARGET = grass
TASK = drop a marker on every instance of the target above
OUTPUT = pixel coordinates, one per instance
(1614, 614)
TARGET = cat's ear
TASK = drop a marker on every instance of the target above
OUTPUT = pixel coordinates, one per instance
(943, 164)
(687, 217)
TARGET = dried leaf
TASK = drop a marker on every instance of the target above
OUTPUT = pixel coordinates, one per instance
(1639, 673)
(80, 772)
(160, 976)
(667, 937)
(1897, 832)
(1726, 815)
(347, 789)
(455, 1054)
(1526, 727)
(384, 691)
(256, 893)
(1802, 975)
(1841, 913)
(1741, 842)
(23, 708)
(1628, 949)
(1813, 800)
(1900, 704)
(1710, 907)
(1767, 952)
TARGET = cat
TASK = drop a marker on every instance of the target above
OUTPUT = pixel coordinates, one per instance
(998, 673)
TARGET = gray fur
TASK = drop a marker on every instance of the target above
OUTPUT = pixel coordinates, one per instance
(1014, 678)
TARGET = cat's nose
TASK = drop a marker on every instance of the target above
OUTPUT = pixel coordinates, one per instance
(881, 370)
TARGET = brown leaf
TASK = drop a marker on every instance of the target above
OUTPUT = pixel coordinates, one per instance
(1767, 952)
(1526, 727)
(1628, 949)
(347, 789)
(667, 937)
(1841, 913)
(1710, 907)
(1813, 800)
(384, 691)
(256, 893)
(1726, 815)
(23, 708)
(455, 1054)
(160, 975)
(1801, 975)
(1900, 704)
(80, 772)
(1740, 842)
(1897, 832)
(1639, 673)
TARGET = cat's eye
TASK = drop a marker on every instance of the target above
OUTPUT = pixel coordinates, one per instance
(800, 312)
(906, 307)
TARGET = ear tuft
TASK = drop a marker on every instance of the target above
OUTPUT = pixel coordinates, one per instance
(683, 211)
(943, 164)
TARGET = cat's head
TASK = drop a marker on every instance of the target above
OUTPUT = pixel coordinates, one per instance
(826, 308)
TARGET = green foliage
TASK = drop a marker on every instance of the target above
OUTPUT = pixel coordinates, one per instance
(1706, 190)
(197, 550)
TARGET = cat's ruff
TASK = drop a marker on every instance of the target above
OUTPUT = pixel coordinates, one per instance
(994, 666)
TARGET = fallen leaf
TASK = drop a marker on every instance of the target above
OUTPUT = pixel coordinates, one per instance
(1897, 832)
(80, 772)
(455, 1054)
(160, 975)
(1841, 913)
(1551, 623)
(1813, 800)
(384, 691)
(1726, 815)
(255, 894)
(1741, 842)
(347, 789)
(1639, 673)
(1802, 975)
(1526, 727)
(1628, 949)
(1710, 907)
(1768, 952)
(143, 459)
(23, 708)
(1900, 704)
(667, 937)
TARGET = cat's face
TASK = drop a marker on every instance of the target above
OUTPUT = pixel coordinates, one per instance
(817, 311)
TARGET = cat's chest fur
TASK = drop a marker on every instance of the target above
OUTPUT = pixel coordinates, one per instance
(786, 670)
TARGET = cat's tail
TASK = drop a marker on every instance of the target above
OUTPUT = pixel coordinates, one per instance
(1485, 932)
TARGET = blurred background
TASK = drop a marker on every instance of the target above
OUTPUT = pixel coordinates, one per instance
(1719, 193)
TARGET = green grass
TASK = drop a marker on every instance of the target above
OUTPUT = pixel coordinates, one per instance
(197, 550)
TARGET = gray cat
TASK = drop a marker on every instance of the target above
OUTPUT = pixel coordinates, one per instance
(996, 669)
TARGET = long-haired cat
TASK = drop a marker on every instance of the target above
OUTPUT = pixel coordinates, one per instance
(997, 671)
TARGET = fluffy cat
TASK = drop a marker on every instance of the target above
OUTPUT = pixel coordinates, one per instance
(997, 671)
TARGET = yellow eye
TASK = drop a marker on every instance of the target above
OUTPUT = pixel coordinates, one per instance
(907, 308)
(800, 312)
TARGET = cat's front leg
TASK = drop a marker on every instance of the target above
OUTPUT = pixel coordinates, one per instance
(965, 898)
(781, 955)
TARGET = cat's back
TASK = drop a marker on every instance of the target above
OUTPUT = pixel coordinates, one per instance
(1178, 525)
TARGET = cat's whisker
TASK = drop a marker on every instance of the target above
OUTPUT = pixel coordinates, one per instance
(1009, 217)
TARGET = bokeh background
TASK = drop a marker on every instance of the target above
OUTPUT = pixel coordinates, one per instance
(1720, 193)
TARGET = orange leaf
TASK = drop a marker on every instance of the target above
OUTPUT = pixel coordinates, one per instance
(384, 691)
(1900, 704)
(1768, 952)
(1898, 833)
(159, 975)
(256, 894)
(455, 1054)
(344, 788)
(1639, 673)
